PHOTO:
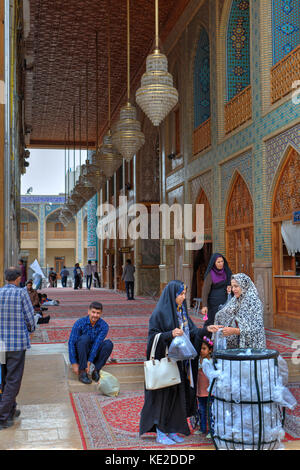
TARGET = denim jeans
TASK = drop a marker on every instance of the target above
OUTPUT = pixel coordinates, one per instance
(202, 411)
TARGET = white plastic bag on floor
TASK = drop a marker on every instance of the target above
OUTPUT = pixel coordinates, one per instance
(108, 384)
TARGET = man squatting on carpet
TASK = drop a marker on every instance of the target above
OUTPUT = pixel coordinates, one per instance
(87, 344)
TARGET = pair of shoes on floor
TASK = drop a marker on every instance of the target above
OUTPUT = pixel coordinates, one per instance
(169, 439)
(43, 320)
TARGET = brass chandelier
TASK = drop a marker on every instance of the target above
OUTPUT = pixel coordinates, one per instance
(128, 137)
(157, 96)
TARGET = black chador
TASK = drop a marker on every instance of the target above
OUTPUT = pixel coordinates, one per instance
(168, 408)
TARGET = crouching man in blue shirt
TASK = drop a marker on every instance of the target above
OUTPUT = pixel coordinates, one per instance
(87, 344)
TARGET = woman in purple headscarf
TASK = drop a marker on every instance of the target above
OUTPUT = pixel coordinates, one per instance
(216, 286)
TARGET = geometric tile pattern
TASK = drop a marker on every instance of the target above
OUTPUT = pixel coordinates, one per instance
(276, 147)
(202, 80)
(204, 182)
(92, 227)
(286, 27)
(238, 48)
(242, 164)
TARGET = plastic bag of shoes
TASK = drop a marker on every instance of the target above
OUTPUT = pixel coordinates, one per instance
(108, 384)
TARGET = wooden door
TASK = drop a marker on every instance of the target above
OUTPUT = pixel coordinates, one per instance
(201, 257)
(239, 229)
(286, 282)
(59, 264)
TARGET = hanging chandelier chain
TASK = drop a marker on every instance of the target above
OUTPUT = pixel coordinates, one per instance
(156, 26)
(108, 64)
(128, 50)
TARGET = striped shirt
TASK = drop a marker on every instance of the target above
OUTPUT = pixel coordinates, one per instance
(96, 333)
(16, 318)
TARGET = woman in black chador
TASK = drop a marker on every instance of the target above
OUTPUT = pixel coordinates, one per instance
(216, 287)
(166, 410)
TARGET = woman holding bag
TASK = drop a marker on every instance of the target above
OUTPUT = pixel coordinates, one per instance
(166, 410)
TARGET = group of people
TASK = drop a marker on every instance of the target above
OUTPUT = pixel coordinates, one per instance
(165, 410)
(231, 303)
(90, 272)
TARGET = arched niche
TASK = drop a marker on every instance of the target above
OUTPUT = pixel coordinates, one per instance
(239, 233)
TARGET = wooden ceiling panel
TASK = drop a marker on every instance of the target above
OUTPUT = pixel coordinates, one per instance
(61, 41)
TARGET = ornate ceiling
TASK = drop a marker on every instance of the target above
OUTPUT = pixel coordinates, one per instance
(58, 45)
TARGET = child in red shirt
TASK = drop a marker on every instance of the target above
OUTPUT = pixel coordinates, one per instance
(203, 384)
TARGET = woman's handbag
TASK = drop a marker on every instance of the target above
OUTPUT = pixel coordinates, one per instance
(160, 373)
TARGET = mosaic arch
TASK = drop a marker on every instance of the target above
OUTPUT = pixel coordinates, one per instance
(28, 216)
(238, 48)
(202, 80)
(286, 27)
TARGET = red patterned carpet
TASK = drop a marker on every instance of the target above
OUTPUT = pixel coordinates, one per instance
(113, 423)
(128, 321)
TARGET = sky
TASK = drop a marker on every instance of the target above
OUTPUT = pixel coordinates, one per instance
(46, 170)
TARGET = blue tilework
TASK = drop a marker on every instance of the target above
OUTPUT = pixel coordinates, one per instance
(238, 48)
(286, 27)
(202, 80)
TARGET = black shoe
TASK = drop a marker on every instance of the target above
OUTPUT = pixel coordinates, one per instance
(16, 413)
(95, 375)
(44, 320)
(6, 424)
(84, 378)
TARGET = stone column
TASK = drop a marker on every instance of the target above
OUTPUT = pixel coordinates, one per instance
(42, 237)
(2, 138)
(79, 237)
(92, 228)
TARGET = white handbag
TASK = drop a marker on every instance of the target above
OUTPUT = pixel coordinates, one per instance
(160, 373)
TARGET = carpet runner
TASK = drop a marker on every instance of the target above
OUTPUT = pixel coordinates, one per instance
(113, 423)
(128, 321)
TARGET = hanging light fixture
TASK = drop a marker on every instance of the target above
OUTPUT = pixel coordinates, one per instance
(157, 96)
(110, 158)
(93, 171)
(128, 137)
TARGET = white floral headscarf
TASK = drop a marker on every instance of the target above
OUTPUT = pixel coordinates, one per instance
(245, 313)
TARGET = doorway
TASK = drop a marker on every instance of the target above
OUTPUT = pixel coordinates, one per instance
(59, 263)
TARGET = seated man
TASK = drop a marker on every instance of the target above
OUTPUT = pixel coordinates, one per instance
(87, 344)
(35, 300)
